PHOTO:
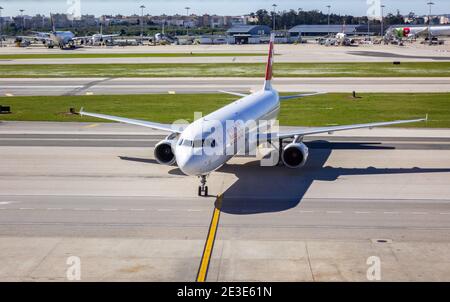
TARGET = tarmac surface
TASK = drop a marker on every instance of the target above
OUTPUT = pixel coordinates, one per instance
(98, 86)
(285, 53)
(94, 191)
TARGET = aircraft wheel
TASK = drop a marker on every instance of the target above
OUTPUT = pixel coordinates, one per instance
(203, 192)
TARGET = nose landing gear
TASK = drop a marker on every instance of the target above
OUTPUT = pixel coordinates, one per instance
(203, 188)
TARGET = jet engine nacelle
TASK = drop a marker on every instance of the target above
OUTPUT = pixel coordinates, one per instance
(164, 153)
(294, 155)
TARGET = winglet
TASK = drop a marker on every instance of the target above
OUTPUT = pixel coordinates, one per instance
(81, 111)
(426, 118)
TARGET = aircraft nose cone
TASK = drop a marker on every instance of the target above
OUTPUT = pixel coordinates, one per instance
(188, 166)
(187, 163)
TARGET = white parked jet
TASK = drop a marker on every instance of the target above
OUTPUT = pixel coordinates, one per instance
(187, 147)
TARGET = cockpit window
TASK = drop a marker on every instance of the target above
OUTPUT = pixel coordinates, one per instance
(199, 143)
(186, 143)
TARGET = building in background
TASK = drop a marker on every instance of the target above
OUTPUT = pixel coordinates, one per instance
(249, 34)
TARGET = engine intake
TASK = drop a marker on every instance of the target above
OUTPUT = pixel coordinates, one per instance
(294, 155)
(164, 153)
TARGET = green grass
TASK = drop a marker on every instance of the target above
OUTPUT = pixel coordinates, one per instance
(409, 69)
(319, 110)
(121, 55)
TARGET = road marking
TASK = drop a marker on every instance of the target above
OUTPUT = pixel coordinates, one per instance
(54, 209)
(209, 244)
(4, 202)
(334, 212)
(361, 212)
(91, 126)
(109, 209)
(390, 212)
(81, 209)
(26, 209)
(419, 213)
(444, 213)
(137, 209)
(193, 210)
(304, 211)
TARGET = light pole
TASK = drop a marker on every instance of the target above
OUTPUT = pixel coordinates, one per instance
(329, 11)
(1, 28)
(23, 20)
(274, 15)
(429, 21)
(187, 8)
(382, 19)
(142, 22)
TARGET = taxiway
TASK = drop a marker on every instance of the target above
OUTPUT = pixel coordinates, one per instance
(95, 191)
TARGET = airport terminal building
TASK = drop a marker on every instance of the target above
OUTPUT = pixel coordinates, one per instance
(248, 34)
(322, 30)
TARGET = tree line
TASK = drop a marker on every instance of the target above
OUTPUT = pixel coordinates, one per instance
(291, 18)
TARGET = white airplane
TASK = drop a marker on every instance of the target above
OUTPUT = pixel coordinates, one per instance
(100, 37)
(187, 146)
(54, 38)
(412, 32)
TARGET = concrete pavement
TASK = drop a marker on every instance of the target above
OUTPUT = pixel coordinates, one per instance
(364, 193)
(285, 53)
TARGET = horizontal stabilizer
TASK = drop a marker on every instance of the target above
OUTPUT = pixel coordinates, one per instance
(297, 96)
(234, 93)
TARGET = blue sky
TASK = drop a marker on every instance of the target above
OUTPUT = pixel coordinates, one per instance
(222, 7)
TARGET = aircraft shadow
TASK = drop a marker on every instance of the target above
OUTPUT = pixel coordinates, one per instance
(275, 189)
(139, 160)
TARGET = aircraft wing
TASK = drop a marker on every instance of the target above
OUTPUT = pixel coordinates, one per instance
(110, 36)
(156, 126)
(331, 130)
(81, 38)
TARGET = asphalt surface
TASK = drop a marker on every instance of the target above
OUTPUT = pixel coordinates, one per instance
(99, 86)
(95, 192)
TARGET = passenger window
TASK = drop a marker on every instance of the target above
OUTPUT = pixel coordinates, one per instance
(213, 143)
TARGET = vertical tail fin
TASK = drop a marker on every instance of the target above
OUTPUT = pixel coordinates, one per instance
(52, 23)
(269, 67)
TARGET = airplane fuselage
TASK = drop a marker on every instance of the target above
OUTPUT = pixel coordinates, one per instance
(245, 115)
(62, 38)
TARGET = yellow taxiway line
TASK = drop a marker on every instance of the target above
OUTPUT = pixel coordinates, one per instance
(207, 251)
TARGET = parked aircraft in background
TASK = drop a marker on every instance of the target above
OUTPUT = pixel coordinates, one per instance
(62, 39)
(399, 33)
(209, 142)
(100, 38)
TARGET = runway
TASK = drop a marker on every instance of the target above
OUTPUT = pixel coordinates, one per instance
(102, 86)
(95, 191)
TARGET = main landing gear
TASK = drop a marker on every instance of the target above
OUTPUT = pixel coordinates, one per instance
(203, 188)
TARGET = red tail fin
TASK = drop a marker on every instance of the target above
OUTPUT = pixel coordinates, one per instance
(269, 67)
